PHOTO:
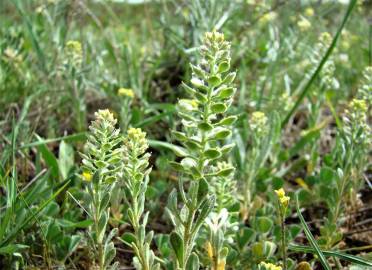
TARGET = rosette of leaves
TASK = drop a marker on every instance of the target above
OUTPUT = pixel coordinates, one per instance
(135, 179)
(101, 165)
(205, 127)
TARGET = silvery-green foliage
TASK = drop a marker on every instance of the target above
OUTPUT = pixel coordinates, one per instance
(327, 74)
(205, 127)
(203, 116)
(223, 186)
(135, 180)
(101, 166)
(365, 90)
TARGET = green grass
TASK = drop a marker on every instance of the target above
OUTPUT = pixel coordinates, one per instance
(302, 105)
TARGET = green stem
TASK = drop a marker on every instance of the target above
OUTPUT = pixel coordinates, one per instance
(187, 237)
(282, 225)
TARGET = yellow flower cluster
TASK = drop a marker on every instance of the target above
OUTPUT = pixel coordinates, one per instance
(136, 134)
(214, 36)
(105, 115)
(74, 52)
(325, 38)
(136, 139)
(358, 105)
(284, 200)
(87, 176)
(258, 122)
(270, 266)
(268, 17)
(126, 92)
(304, 24)
(309, 12)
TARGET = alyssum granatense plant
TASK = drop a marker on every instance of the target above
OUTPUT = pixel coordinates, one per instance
(350, 156)
(204, 129)
(221, 225)
(135, 179)
(101, 168)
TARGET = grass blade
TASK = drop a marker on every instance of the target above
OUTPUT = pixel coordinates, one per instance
(14, 233)
(311, 239)
(341, 255)
(321, 64)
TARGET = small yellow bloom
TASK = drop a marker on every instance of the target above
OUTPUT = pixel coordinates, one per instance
(304, 24)
(358, 105)
(126, 92)
(309, 12)
(268, 17)
(258, 122)
(74, 52)
(87, 176)
(270, 266)
(281, 196)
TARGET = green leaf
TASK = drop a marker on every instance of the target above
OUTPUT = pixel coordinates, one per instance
(264, 224)
(202, 189)
(219, 133)
(229, 78)
(180, 136)
(225, 172)
(228, 121)
(193, 262)
(188, 163)
(205, 126)
(245, 236)
(214, 81)
(49, 159)
(223, 67)
(327, 175)
(65, 159)
(12, 248)
(226, 93)
(178, 150)
(212, 153)
(311, 239)
(218, 108)
(177, 245)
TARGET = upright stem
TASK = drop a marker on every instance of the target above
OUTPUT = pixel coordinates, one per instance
(101, 260)
(284, 251)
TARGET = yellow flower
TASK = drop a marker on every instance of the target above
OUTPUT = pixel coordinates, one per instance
(281, 196)
(268, 17)
(304, 24)
(309, 12)
(214, 36)
(258, 123)
(87, 176)
(136, 133)
(270, 266)
(325, 38)
(126, 92)
(358, 105)
(280, 192)
(74, 52)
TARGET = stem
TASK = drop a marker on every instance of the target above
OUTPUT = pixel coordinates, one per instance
(101, 259)
(187, 237)
(282, 225)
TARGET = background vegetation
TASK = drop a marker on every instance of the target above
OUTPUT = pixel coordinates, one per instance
(302, 105)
